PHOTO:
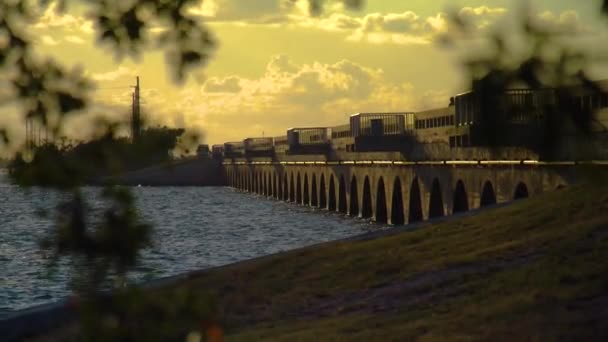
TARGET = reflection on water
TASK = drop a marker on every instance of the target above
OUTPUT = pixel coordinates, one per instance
(195, 228)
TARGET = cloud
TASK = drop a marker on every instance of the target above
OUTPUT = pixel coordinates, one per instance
(565, 22)
(48, 40)
(74, 40)
(122, 71)
(286, 95)
(481, 16)
(52, 18)
(409, 28)
(404, 28)
(397, 28)
(226, 85)
(258, 11)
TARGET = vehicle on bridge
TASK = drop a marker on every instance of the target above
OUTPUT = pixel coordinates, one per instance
(217, 151)
(342, 138)
(309, 140)
(259, 147)
(234, 149)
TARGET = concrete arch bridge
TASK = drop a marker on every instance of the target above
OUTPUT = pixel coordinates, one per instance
(397, 192)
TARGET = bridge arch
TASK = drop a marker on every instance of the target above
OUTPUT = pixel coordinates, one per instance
(415, 205)
(366, 203)
(436, 200)
(461, 201)
(381, 215)
(342, 207)
(397, 214)
(521, 191)
(260, 183)
(332, 194)
(256, 182)
(314, 199)
(252, 182)
(285, 188)
(306, 197)
(269, 182)
(488, 196)
(354, 198)
(322, 193)
(299, 189)
(292, 189)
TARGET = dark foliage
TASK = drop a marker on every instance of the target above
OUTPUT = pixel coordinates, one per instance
(545, 62)
(69, 166)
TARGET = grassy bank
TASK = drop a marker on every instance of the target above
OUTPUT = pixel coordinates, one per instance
(535, 270)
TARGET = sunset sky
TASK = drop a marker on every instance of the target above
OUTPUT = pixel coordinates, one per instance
(276, 67)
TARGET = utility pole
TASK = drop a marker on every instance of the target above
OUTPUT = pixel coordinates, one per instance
(135, 114)
(28, 133)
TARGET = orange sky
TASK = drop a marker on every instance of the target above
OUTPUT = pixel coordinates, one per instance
(277, 67)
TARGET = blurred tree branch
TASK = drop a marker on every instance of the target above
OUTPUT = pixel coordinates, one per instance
(48, 92)
(544, 58)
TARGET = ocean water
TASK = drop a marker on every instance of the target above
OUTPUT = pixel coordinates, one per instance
(194, 228)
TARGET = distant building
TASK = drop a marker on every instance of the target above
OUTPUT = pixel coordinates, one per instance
(203, 151)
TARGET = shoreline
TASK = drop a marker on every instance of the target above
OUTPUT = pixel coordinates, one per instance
(38, 319)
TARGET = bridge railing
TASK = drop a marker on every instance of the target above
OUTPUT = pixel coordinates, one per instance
(434, 162)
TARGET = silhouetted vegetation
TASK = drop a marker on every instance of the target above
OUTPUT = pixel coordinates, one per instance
(537, 57)
(104, 252)
(49, 93)
(72, 165)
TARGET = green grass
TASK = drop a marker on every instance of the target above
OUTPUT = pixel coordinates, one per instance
(534, 270)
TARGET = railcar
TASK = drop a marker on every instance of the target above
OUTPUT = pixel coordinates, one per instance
(514, 117)
(280, 144)
(511, 118)
(258, 147)
(309, 140)
(217, 151)
(234, 149)
(381, 124)
(435, 125)
(342, 138)
(382, 131)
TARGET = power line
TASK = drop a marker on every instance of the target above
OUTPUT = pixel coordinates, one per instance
(113, 88)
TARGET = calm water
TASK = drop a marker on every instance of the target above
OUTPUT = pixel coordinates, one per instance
(199, 227)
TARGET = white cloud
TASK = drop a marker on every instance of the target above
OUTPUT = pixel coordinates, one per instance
(258, 11)
(565, 22)
(121, 72)
(74, 40)
(226, 85)
(52, 18)
(287, 95)
(397, 28)
(48, 40)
